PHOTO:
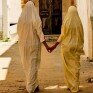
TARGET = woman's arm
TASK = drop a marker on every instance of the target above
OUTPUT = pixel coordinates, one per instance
(46, 46)
(54, 46)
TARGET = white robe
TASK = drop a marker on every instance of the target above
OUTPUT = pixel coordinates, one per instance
(30, 37)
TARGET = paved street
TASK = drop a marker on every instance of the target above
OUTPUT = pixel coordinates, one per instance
(51, 74)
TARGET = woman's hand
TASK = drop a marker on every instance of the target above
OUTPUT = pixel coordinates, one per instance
(50, 49)
(53, 47)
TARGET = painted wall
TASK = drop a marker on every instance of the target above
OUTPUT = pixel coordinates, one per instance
(5, 17)
(0, 19)
(14, 10)
(85, 10)
(91, 33)
(0, 15)
(91, 8)
(11, 12)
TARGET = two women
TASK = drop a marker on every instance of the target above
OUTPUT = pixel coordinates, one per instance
(71, 39)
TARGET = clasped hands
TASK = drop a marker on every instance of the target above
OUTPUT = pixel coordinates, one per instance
(50, 49)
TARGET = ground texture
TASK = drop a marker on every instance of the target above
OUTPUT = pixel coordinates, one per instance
(51, 74)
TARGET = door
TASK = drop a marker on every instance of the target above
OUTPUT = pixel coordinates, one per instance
(51, 16)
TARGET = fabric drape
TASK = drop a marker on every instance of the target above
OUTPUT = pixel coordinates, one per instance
(30, 34)
(72, 40)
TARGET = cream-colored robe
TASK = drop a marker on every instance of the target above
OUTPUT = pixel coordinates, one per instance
(72, 39)
(30, 37)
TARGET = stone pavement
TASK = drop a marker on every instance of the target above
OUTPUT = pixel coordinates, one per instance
(51, 74)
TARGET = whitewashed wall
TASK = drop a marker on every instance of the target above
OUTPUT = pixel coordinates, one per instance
(5, 17)
(85, 9)
(14, 8)
(91, 33)
(0, 15)
(11, 10)
(14, 11)
(91, 8)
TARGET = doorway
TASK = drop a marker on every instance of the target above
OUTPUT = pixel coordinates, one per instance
(51, 16)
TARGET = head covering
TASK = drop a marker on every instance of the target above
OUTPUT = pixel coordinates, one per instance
(29, 25)
(72, 14)
(72, 38)
(29, 13)
(30, 34)
(29, 6)
(72, 31)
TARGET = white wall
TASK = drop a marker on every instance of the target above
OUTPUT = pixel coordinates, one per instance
(11, 12)
(91, 8)
(83, 9)
(0, 8)
(14, 7)
(5, 18)
(91, 33)
(0, 15)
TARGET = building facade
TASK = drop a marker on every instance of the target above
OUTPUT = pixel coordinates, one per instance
(9, 14)
(85, 10)
(0, 18)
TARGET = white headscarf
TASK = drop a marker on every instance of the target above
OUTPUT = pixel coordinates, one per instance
(29, 14)
(29, 25)
(29, 10)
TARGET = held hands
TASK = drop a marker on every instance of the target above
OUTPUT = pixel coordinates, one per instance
(50, 49)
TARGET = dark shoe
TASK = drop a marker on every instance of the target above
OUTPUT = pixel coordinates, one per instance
(37, 89)
(68, 89)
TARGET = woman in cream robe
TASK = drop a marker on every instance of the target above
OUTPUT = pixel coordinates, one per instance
(30, 38)
(72, 40)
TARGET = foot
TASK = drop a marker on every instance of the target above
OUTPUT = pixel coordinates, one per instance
(37, 89)
(72, 91)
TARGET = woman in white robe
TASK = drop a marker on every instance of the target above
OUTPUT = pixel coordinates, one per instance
(30, 34)
(72, 40)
